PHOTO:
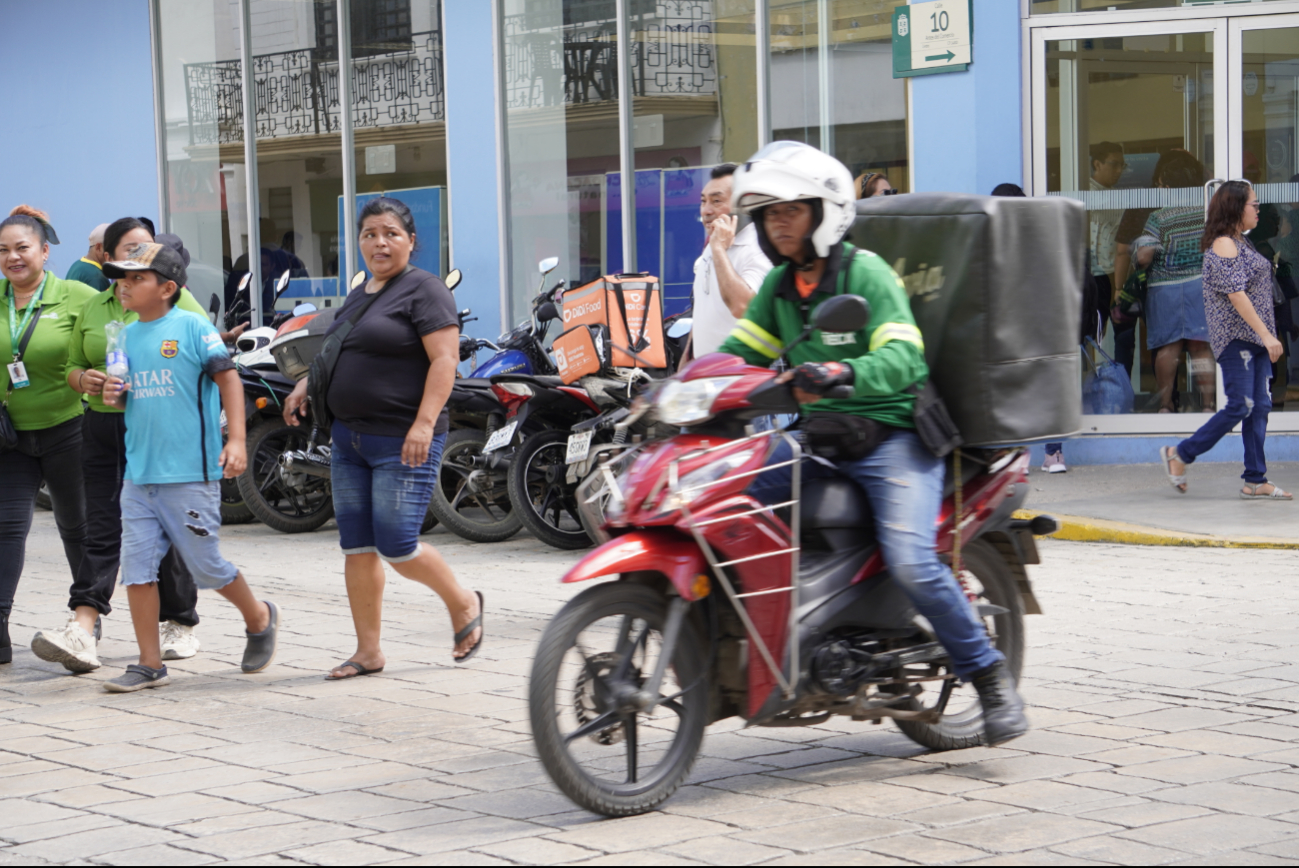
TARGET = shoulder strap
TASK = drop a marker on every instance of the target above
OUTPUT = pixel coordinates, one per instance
(352, 320)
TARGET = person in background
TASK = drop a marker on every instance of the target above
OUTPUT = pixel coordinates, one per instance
(1238, 304)
(44, 411)
(103, 461)
(388, 397)
(871, 184)
(1107, 163)
(1054, 462)
(180, 382)
(1169, 246)
(728, 272)
(89, 269)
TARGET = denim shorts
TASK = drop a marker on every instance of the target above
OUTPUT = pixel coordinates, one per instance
(186, 515)
(379, 502)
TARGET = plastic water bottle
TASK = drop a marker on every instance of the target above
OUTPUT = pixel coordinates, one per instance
(117, 365)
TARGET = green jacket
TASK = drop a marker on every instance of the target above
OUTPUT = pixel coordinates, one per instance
(48, 401)
(88, 345)
(887, 356)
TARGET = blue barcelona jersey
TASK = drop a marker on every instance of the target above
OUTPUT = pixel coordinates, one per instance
(173, 408)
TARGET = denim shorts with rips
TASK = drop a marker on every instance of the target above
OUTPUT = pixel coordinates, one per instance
(184, 515)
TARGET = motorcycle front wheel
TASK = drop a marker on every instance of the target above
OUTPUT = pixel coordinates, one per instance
(469, 508)
(605, 644)
(541, 494)
(987, 575)
(288, 502)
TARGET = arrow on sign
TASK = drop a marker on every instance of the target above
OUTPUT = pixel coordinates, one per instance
(947, 57)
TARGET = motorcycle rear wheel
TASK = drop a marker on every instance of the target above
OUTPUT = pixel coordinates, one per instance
(274, 500)
(989, 575)
(476, 517)
(234, 510)
(570, 690)
(540, 492)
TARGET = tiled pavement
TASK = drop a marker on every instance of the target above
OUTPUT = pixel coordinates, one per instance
(1164, 687)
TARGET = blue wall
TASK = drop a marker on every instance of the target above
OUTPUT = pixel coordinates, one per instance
(966, 126)
(61, 150)
(471, 162)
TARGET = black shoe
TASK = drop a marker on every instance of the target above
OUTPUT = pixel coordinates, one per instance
(1003, 710)
(6, 649)
(99, 628)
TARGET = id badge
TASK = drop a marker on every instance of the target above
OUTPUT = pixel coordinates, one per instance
(18, 375)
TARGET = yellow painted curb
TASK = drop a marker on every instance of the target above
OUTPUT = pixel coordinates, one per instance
(1079, 528)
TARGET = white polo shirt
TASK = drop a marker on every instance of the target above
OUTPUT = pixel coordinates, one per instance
(712, 318)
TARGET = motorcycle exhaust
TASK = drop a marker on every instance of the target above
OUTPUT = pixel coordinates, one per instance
(307, 463)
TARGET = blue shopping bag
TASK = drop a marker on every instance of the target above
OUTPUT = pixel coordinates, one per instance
(1106, 387)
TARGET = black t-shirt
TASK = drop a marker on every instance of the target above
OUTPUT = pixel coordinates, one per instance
(378, 383)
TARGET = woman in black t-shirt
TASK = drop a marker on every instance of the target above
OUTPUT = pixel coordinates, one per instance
(388, 394)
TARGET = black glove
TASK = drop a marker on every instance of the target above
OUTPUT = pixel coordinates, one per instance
(818, 378)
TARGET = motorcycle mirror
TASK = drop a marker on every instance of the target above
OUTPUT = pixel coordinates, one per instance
(681, 328)
(547, 312)
(548, 264)
(282, 284)
(843, 313)
(243, 281)
(304, 308)
(357, 280)
(453, 278)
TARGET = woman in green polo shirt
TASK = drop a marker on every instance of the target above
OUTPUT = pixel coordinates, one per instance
(45, 412)
(103, 455)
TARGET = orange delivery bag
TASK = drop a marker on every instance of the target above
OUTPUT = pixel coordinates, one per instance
(578, 353)
(630, 306)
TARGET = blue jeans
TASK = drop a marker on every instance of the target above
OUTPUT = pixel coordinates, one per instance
(1247, 380)
(184, 516)
(379, 502)
(904, 483)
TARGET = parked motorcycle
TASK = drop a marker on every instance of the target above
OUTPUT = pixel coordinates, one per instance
(783, 614)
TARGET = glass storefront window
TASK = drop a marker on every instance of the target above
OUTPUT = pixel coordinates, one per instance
(832, 84)
(1046, 7)
(1130, 133)
(198, 52)
(399, 118)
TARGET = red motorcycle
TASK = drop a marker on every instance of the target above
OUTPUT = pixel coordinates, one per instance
(783, 614)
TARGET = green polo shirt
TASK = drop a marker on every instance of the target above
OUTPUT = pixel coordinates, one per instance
(48, 401)
(89, 272)
(88, 346)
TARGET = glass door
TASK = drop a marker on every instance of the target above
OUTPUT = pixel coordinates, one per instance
(1127, 119)
(1263, 84)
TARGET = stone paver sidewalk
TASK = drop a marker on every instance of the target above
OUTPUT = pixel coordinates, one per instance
(1164, 688)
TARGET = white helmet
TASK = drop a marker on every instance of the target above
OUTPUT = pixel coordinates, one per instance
(791, 172)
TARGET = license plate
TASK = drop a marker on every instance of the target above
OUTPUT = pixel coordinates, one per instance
(579, 446)
(501, 438)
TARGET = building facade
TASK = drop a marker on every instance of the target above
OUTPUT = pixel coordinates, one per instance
(515, 128)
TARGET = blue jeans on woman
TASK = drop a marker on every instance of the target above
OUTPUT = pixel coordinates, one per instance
(1247, 380)
(904, 483)
(379, 502)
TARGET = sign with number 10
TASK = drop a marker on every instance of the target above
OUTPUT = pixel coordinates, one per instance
(932, 37)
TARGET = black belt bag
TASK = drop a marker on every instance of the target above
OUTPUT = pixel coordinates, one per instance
(934, 424)
(843, 436)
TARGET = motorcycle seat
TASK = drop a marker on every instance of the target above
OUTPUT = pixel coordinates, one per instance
(834, 503)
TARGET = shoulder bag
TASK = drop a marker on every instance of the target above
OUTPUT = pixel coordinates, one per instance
(9, 434)
(321, 369)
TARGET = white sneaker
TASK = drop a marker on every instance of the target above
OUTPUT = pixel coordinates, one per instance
(1054, 463)
(72, 646)
(178, 641)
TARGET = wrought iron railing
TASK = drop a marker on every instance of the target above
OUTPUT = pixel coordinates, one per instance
(296, 94)
(671, 41)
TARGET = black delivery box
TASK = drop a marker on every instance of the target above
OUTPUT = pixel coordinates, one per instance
(996, 289)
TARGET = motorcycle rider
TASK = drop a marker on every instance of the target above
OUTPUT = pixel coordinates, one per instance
(802, 204)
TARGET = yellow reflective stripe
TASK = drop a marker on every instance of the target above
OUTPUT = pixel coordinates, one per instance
(896, 331)
(758, 339)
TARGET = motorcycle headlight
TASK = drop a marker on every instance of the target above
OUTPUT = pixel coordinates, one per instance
(687, 403)
(696, 482)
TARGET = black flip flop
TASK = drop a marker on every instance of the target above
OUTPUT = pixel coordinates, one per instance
(464, 632)
(360, 670)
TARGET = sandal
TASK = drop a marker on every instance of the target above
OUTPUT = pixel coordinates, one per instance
(1167, 454)
(465, 631)
(1251, 492)
(360, 670)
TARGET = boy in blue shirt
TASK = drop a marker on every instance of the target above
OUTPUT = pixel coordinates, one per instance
(179, 367)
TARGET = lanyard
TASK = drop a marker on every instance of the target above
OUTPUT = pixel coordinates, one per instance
(17, 328)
